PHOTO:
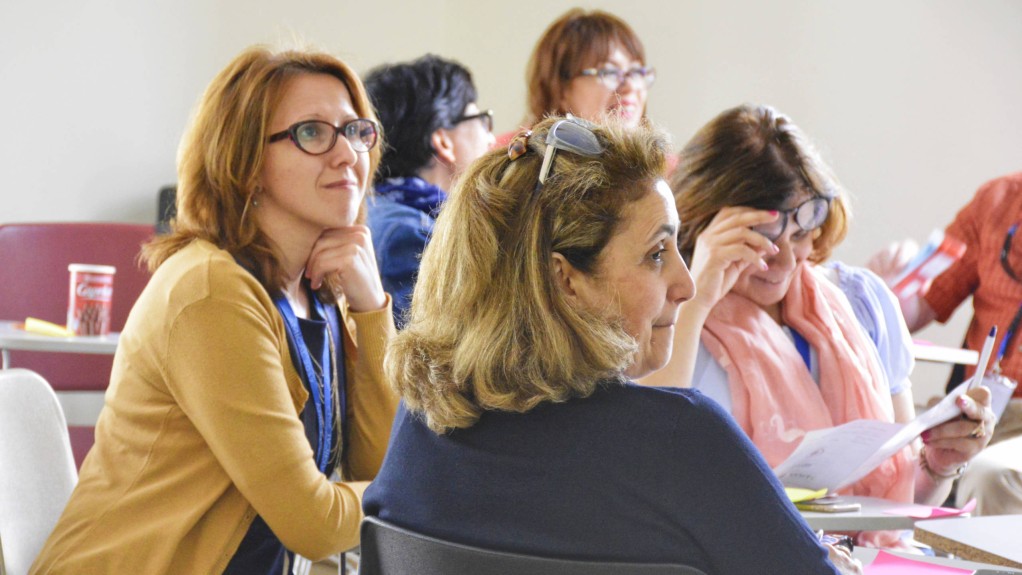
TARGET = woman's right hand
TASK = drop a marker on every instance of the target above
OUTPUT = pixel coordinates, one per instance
(726, 248)
(843, 560)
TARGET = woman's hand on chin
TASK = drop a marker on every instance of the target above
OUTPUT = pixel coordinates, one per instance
(346, 254)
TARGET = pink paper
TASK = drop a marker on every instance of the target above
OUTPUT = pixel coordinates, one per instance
(888, 564)
(928, 512)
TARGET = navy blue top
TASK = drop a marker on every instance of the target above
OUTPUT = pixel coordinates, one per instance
(261, 551)
(629, 474)
(401, 218)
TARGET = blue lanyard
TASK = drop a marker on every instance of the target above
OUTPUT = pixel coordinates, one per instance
(1008, 336)
(319, 382)
(803, 348)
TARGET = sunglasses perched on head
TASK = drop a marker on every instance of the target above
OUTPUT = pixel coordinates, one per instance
(570, 135)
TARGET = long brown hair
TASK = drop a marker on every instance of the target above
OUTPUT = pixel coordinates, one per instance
(752, 155)
(490, 329)
(221, 156)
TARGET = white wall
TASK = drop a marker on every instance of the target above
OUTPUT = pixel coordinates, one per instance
(914, 103)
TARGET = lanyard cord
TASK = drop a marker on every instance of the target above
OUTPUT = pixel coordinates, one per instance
(320, 387)
(803, 348)
(1008, 337)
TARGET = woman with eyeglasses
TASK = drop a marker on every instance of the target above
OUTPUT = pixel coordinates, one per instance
(247, 408)
(591, 64)
(434, 130)
(783, 343)
(553, 280)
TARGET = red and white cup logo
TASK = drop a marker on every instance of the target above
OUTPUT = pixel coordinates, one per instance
(91, 299)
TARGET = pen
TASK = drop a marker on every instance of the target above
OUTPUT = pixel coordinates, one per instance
(984, 358)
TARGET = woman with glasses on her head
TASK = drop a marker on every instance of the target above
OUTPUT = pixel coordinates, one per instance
(434, 130)
(249, 371)
(591, 64)
(551, 281)
(788, 346)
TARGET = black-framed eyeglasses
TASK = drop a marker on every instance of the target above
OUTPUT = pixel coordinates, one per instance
(317, 137)
(612, 77)
(1006, 251)
(571, 135)
(809, 215)
(486, 117)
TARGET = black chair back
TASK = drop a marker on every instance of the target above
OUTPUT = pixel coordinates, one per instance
(391, 550)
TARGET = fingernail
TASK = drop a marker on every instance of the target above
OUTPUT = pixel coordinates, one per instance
(926, 436)
(776, 249)
(962, 402)
(773, 213)
(763, 266)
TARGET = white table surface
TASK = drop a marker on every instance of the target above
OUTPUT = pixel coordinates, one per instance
(19, 339)
(940, 354)
(993, 539)
(871, 517)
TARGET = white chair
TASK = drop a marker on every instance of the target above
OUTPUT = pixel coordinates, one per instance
(37, 470)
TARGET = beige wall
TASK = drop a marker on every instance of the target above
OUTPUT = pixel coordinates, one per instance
(914, 102)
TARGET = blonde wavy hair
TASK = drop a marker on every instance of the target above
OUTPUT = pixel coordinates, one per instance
(490, 329)
(752, 155)
(221, 156)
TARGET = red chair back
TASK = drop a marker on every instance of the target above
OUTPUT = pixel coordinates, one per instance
(34, 282)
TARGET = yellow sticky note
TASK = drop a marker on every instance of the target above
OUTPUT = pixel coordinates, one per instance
(797, 494)
(44, 327)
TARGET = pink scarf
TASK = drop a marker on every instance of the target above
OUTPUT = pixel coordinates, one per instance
(774, 398)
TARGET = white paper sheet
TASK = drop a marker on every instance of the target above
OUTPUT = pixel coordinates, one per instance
(839, 456)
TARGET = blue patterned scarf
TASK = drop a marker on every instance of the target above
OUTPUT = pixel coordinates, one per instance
(414, 193)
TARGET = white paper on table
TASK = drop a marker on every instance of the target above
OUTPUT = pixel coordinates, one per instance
(839, 456)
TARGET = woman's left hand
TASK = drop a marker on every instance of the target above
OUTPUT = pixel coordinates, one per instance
(954, 443)
(346, 253)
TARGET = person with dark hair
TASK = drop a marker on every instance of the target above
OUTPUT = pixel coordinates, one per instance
(781, 342)
(434, 129)
(552, 281)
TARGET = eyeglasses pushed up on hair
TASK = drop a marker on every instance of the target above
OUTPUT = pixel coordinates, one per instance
(316, 137)
(809, 215)
(571, 135)
(612, 78)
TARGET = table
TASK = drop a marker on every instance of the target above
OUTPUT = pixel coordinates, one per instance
(867, 555)
(993, 539)
(871, 517)
(940, 354)
(12, 337)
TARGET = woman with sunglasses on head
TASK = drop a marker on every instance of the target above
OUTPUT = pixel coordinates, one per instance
(786, 345)
(551, 281)
(249, 372)
(434, 130)
(591, 64)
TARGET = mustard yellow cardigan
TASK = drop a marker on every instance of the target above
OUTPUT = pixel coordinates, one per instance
(201, 431)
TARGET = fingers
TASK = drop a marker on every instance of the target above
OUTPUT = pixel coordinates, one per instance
(843, 560)
(955, 442)
(346, 254)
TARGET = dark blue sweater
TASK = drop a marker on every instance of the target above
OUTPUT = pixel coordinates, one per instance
(628, 474)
